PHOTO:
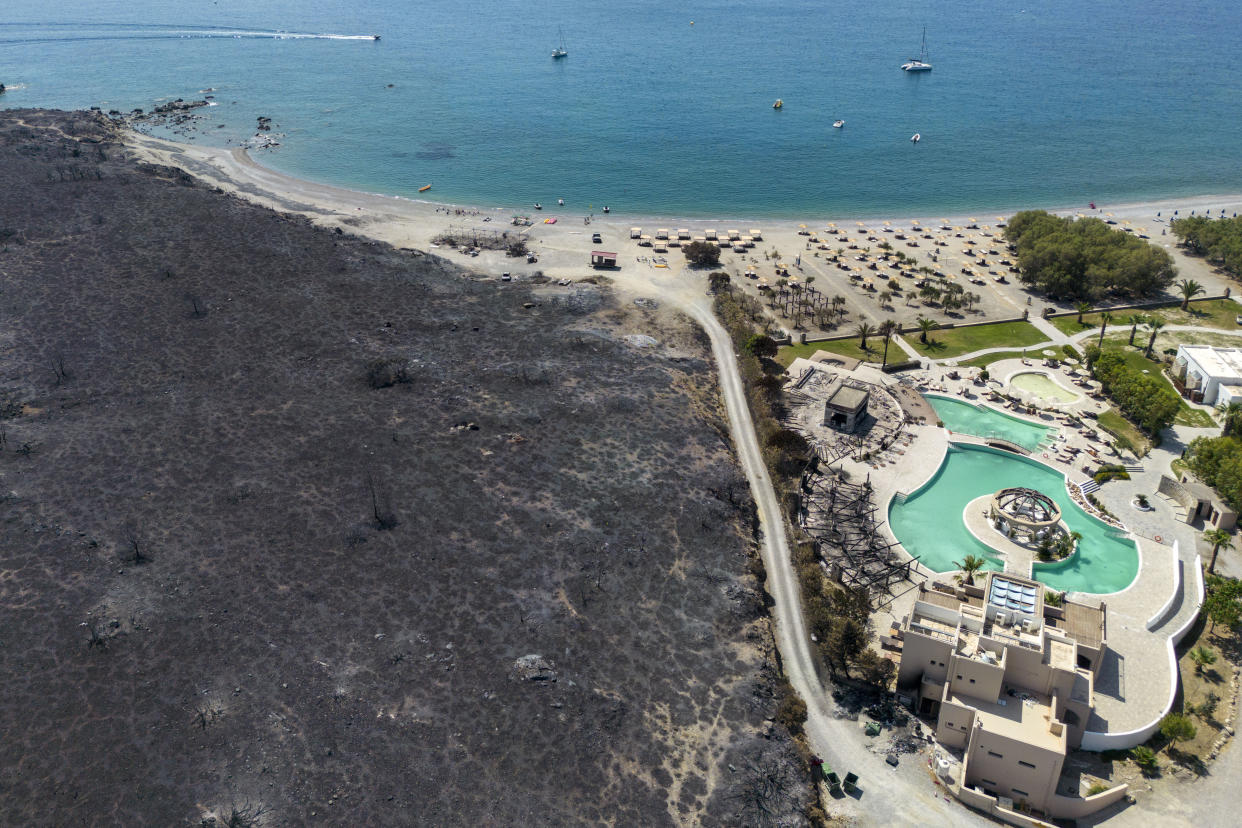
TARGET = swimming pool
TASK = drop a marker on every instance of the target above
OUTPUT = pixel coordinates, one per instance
(981, 421)
(929, 521)
(1044, 387)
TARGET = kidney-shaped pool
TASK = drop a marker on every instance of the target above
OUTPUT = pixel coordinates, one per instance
(929, 523)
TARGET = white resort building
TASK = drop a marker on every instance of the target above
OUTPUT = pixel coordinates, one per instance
(1208, 375)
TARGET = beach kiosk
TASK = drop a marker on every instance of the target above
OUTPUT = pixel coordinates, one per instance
(599, 258)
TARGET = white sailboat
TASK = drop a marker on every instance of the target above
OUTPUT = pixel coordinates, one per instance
(919, 64)
(560, 51)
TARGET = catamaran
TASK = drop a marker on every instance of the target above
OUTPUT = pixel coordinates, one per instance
(919, 64)
(560, 51)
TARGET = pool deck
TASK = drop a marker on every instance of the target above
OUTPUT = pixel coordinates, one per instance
(1137, 679)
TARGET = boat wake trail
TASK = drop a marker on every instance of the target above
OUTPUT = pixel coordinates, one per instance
(16, 34)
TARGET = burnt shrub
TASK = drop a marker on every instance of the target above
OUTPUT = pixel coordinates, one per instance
(385, 373)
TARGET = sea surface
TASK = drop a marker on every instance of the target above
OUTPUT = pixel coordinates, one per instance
(666, 108)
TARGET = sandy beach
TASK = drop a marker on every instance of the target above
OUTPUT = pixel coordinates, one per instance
(952, 244)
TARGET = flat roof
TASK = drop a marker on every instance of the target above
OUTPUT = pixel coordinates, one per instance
(603, 253)
(1024, 717)
(1218, 363)
(848, 398)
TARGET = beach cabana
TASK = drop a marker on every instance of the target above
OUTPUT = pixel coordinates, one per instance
(662, 233)
(683, 233)
(757, 235)
(636, 232)
(710, 233)
(734, 235)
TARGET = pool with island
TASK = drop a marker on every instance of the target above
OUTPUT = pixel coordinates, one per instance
(930, 526)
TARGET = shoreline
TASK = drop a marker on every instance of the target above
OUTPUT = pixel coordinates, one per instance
(222, 158)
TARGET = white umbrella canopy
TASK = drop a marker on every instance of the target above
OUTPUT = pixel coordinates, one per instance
(1048, 352)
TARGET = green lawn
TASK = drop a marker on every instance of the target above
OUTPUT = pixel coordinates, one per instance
(845, 347)
(1119, 426)
(954, 341)
(1206, 313)
(985, 361)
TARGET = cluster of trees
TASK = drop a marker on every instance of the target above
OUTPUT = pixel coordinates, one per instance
(1220, 240)
(1086, 258)
(702, 254)
(950, 296)
(1218, 462)
(837, 617)
(798, 301)
(1145, 399)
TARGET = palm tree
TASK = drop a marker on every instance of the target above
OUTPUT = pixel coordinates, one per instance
(1218, 538)
(887, 328)
(1202, 657)
(1153, 325)
(1082, 307)
(1135, 320)
(926, 326)
(863, 331)
(1189, 289)
(1105, 318)
(969, 566)
(1231, 418)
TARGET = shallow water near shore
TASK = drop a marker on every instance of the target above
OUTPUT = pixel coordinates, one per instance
(1052, 105)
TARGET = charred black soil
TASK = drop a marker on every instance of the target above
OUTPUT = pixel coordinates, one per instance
(299, 527)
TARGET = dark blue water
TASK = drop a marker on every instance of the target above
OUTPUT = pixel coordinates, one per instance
(1050, 105)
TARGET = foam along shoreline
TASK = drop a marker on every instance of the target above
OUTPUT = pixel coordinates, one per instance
(407, 222)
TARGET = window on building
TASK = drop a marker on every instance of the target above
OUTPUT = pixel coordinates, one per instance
(959, 677)
(1025, 764)
(972, 681)
(1019, 793)
(932, 662)
(996, 755)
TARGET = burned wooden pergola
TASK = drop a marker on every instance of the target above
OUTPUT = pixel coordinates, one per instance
(484, 238)
(839, 516)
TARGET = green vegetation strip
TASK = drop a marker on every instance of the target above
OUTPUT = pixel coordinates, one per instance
(844, 347)
(1125, 432)
(987, 359)
(955, 341)
(1135, 359)
(1205, 313)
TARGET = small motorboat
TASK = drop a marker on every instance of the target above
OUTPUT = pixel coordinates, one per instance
(915, 138)
(375, 37)
(538, 206)
(605, 208)
(779, 103)
(560, 202)
(838, 124)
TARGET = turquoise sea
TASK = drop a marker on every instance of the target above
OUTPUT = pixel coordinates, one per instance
(1051, 103)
